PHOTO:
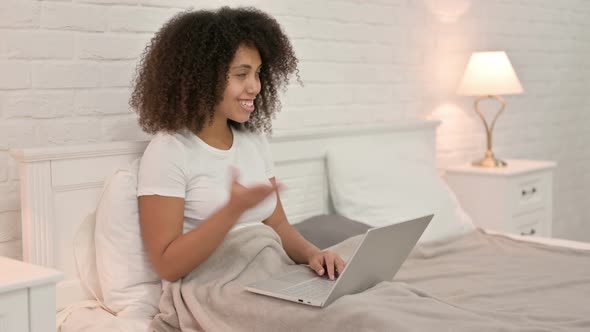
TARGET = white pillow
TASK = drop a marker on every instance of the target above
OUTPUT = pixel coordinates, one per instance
(130, 286)
(380, 184)
(85, 257)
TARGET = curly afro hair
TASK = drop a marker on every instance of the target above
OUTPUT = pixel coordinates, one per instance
(183, 71)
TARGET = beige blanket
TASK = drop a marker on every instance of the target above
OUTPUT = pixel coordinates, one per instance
(479, 282)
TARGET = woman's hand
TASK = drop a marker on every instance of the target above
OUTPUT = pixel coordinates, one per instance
(329, 260)
(244, 198)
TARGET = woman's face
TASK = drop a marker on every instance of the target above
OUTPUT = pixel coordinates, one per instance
(243, 85)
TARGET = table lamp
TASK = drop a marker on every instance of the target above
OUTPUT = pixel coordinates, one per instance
(489, 75)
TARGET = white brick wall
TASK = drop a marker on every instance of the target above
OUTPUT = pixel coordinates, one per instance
(66, 66)
(75, 17)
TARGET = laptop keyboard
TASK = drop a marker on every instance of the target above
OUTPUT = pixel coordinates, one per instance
(315, 289)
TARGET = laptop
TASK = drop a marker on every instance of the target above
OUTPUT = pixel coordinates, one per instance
(377, 258)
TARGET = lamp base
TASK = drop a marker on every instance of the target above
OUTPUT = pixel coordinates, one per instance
(489, 161)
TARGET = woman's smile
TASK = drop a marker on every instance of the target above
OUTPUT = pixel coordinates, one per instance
(247, 105)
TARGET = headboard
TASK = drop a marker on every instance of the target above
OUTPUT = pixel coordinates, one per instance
(60, 185)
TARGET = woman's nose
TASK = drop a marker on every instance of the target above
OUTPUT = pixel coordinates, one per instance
(253, 86)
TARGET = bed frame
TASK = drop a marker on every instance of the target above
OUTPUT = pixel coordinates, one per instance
(60, 185)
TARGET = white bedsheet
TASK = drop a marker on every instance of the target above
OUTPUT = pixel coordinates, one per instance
(98, 320)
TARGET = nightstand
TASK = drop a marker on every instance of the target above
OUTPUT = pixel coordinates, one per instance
(27, 297)
(515, 199)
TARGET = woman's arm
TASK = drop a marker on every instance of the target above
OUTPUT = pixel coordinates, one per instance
(298, 248)
(173, 254)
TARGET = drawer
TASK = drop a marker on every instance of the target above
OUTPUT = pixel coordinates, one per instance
(529, 192)
(528, 224)
(14, 314)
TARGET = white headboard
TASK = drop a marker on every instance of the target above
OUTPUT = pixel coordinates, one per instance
(60, 185)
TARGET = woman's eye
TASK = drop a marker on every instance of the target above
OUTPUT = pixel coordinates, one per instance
(241, 75)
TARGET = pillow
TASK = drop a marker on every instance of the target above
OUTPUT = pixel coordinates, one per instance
(85, 257)
(130, 287)
(382, 185)
(327, 230)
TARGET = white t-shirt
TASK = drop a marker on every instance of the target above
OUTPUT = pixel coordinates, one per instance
(183, 165)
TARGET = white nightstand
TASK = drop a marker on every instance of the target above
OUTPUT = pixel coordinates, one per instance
(27, 297)
(515, 199)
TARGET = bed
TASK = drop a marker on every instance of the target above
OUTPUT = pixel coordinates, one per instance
(60, 187)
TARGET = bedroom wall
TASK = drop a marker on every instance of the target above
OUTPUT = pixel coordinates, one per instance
(66, 66)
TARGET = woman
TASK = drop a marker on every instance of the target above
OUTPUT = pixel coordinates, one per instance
(207, 86)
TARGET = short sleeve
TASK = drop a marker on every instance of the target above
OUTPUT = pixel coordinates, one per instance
(162, 169)
(267, 155)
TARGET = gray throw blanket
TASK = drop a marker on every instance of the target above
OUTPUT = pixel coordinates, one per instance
(479, 282)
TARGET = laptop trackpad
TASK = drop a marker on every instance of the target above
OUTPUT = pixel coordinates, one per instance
(281, 282)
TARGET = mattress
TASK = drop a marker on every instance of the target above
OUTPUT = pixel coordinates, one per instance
(545, 240)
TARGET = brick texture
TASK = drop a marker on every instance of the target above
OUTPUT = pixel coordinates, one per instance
(67, 66)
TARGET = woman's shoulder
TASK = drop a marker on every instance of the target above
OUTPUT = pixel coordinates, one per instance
(165, 153)
(165, 143)
(178, 138)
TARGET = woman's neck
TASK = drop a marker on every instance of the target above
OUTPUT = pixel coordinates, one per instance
(219, 135)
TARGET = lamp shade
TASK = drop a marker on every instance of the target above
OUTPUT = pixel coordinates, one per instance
(489, 73)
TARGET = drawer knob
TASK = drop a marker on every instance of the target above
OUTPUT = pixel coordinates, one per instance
(531, 232)
(530, 192)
